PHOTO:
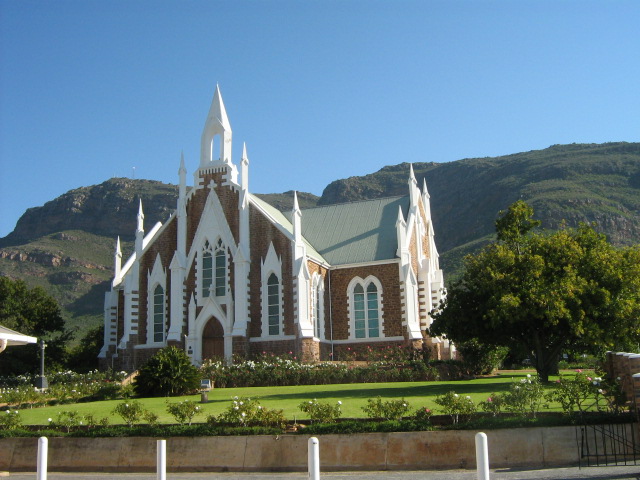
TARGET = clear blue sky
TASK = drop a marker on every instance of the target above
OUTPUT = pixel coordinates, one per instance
(319, 90)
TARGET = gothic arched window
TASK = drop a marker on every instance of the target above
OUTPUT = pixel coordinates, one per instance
(365, 311)
(158, 314)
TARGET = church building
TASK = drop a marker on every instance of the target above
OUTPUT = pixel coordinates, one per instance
(228, 274)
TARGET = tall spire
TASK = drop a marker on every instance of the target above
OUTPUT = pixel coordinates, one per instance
(117, 260)
(414, 192)
(139, 231)
(182, 174)
(297, 219)
(140, 225)
(217, 123)
(244, 168)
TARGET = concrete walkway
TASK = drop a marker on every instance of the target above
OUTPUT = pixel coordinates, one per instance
(585, 473)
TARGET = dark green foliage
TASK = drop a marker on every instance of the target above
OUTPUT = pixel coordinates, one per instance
(542, 293)
(84, 356)
(479, 358)
(363, 426)
(168, 373)
(31, 311)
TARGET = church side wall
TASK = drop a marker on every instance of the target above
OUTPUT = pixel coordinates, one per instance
(263, 232)
(388, 275)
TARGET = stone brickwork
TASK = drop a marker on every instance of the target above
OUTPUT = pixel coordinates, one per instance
(626, 367)
(165, 246)
(388, 276)
(269, 233)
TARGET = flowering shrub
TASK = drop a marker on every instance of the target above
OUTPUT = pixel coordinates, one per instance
(321, 412)
(10, 419)
(493, 404)
(390, 410)
(247, 412)
(580, 393)
(455, 406)
(131, 411)
(524, 397)
(423, 415)
(183, 411)
(67, 419)
(288, 370)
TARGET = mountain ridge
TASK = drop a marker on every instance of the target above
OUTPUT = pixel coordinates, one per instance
(67, 245)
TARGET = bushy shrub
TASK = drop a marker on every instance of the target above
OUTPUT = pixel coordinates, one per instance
(321, 412)
(493, 404)
(131, 411)
(10, 419)
(389, 410)
(456, 406)
(423, 415)
(524, 397)
(184, 411)
(247, 412)
(479, 358)
(169, 372)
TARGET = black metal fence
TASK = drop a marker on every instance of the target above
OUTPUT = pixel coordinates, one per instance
(609, 444)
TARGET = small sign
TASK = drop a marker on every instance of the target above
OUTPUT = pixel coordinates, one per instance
(205, 384)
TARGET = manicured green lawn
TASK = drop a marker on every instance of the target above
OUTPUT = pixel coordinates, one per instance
(352, 396)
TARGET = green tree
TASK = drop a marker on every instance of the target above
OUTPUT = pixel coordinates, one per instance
(169, 372)
(31, 312)
(545, 292)
(84, 356)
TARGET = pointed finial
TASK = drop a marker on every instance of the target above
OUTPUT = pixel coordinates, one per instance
(425, 192)
(245, 158)
(412, 176)
(218, 111)
(118, 250)
(182, 169)
(296, 207)
(400, 216)
(140, 218)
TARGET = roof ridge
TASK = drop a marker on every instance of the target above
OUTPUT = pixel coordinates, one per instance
(355, 201)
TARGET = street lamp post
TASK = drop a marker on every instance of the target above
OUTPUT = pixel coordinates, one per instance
(41, 381)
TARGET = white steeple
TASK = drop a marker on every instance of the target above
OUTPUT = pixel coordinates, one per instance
(182, 173)
(296, 215)
(217, 123)
(244, 168)
(139, 231)
(117, 260)
(414, 192)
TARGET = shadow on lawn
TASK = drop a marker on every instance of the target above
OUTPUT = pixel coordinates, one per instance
(421, 390)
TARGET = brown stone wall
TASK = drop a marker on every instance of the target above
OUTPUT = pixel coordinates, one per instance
(388, 276)
(165, 246)
(277, 347)
(262, 234)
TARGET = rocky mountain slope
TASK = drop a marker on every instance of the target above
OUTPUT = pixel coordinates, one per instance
(67, 245)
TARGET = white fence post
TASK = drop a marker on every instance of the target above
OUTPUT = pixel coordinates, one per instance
(161, 460)
(482, 456)
(313, 453)
(43, 451)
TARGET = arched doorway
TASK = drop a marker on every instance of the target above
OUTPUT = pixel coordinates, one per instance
(213, 340)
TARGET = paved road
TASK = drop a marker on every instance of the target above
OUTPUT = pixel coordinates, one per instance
(585, 473)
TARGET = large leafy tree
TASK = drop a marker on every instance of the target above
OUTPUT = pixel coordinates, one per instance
(543, 293)
(33, 312)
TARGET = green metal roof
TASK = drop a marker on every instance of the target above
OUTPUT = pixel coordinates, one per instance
(354, 232)
(285, 222)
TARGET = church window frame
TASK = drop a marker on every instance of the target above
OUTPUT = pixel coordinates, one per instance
(366, 316)
(157, 313)
(213, 269)
(272, 295)
(316, 310)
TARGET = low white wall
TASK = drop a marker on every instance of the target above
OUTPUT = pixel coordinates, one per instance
(524, 447)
